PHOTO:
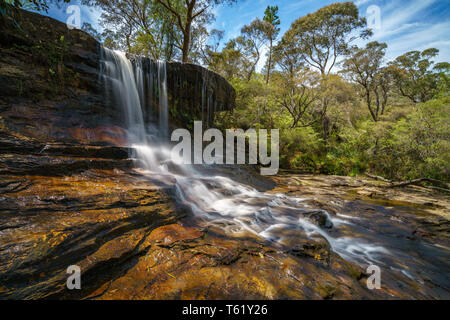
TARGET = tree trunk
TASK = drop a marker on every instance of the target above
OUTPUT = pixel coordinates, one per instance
(186, 41)
(374, 116)
(269, 64)
(416, 181)
(187, 32)
(325, 128)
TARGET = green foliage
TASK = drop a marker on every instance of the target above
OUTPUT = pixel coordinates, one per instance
(271, 16)
(321, 37)
(39, 5)
(300, 148)
(417, 77)
(8, 8)
(414, 146)
(254, 105)
(138, 26)
(364, 67)
(407, 142)
(422, 141)
(334, 125)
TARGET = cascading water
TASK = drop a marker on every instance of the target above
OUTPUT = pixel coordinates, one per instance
(163, 100)
(119, 79)
(219, 200)
(140, 82)
(205, 97)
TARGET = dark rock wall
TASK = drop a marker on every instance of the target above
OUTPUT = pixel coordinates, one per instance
(50, 89)
(196, 93)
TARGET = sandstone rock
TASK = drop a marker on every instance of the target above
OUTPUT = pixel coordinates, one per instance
(50, 89)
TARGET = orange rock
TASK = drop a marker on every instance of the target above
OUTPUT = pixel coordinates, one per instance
(112, 134)
(173, 233)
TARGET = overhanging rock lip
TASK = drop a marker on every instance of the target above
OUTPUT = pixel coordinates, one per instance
(229, 101)
(86, 49)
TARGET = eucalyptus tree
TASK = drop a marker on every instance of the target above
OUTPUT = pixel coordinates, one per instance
(206, 45)
(253, 38)
(336, 97)
(186, 14)
(139, 26)
(299, 97)
(324, 36)
(230, 62)
(364, 66)
(416, 76)
(288, 59)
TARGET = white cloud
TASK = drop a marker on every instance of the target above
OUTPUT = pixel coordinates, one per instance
(427, 36)
(403, 29)
(361, 2)
(91, 15)
(397, 17)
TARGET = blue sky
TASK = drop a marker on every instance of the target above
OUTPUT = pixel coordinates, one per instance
(405, 24)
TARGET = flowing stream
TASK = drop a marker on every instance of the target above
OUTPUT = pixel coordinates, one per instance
(238, 208)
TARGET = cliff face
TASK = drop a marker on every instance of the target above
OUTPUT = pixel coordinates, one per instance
(50, 89)
(194, 93)
(197, 92)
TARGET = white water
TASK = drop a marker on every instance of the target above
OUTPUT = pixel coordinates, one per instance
(163, 100)
(118, 74)
(213, 198)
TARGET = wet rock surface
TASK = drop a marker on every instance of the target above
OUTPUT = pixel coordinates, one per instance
(132, 241)
(94, 219)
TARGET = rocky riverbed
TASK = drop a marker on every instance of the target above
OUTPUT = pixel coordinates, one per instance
(63, 205)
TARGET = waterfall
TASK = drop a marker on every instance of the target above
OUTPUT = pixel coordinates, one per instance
(163, 100)
(140, 82)
(213, 198)
(151, 91)
(133, 90)
(207, 101)
(118, 76)
(205, 95)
